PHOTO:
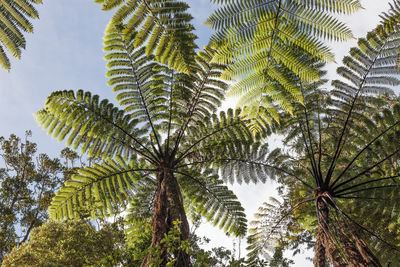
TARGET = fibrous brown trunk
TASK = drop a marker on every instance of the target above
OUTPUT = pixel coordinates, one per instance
(167, 208)
(320, 249)
(338, 242)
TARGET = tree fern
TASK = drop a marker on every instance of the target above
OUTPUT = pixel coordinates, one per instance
(342, 151)
(149, 148)
(269, 42)
(15, 17)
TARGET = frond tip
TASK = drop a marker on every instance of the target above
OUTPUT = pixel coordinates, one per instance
(15, 17)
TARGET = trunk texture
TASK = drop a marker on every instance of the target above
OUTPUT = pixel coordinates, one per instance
(337, 241)
(320, 247)
(167, 208)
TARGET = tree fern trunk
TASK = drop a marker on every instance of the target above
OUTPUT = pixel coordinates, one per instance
(364, 255)
(319, 257)
(320, 249)
(338, 242)
(167, 208)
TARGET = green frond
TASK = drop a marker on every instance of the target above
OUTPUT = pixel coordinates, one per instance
(265, 41)
(163, 28)
(104, 189)
(131, 74)
(224, 132)
(15, 17)
(266, 230)
(109, 4)
(340, 7)
(214, 201)
(208, 89)
(251, 163)
(390, 19)
(138, 233)
(97, 127)
(228, 146)
(371, 67)
(261, 115)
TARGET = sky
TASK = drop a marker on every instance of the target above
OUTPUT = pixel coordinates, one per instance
(65, 52)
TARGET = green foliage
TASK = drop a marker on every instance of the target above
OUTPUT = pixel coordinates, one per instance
(370, 68)
(390, 19)
(81, 116)
(139, 235)
(163, 26)
(27, 184)
(138, 238)
(71, 244)
(278, 260)
(273, 231)
(270, 45)
(266, 231)
(15, 17)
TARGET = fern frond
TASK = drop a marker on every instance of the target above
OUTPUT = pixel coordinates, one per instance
(226, 130)
(265, 41)
(271, 226)
(208, 89)
(103, 189)
(97, 127)
(213, 200)
(15, 17)
(163, 27)
(390, 19)
(131, 75)
(371, 68)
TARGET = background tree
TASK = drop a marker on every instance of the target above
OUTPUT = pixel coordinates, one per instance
(14, 18)
(27, 183)
(72, 243)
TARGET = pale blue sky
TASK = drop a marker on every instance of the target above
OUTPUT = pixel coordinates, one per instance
(66, 53)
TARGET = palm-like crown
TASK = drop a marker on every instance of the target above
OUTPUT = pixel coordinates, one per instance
(343, 152)
(168, 121)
